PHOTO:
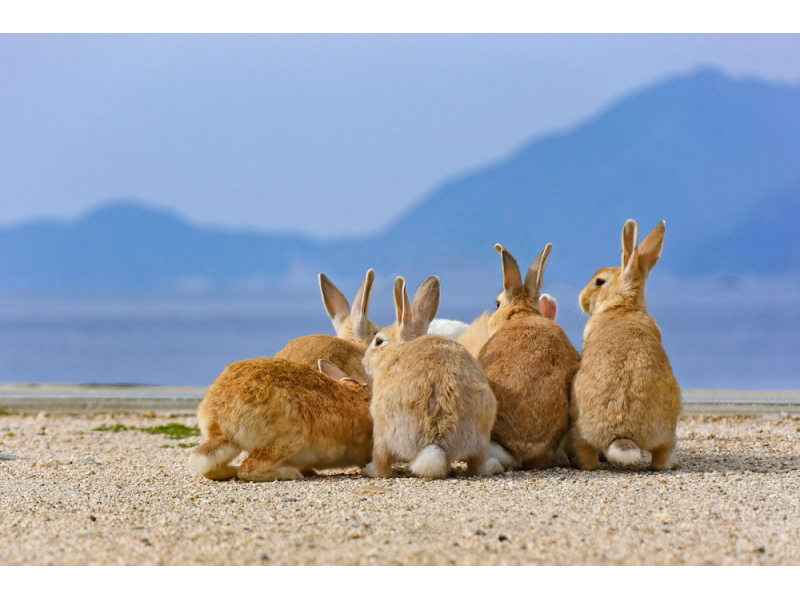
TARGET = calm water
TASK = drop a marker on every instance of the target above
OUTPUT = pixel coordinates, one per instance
(745, 338)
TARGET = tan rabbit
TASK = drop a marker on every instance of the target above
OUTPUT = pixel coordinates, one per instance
(625, 397)
(431, 401)
(530, 364)
(289, 418)
(478, 332)
(353, 328)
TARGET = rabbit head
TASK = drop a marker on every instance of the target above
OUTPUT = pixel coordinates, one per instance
(350, 324)
(625, 286)
(412, 320)
(518, 296)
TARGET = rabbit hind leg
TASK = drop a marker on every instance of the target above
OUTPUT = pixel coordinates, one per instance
(264, 465)
(211, 459)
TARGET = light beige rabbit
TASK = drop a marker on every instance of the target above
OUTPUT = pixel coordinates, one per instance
(289, 417)
(432, 404)
(353, 328)
(625, 397)
(530, 364)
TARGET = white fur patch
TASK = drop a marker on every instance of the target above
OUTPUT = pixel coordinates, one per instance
(370, 470)
(501, 455)
(623, 457)
(492, 467)
(451, 329)
(202, 464)
(431, 463)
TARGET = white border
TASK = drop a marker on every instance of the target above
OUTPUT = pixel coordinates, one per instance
(498, 16)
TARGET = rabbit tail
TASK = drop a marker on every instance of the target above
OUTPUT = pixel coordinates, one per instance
(431, 462)
(623, 452)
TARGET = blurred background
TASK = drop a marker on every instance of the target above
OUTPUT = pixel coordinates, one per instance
(167, 201)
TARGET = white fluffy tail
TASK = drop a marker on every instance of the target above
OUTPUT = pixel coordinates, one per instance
(431, 463)
(211, 459)
(451, 329)
(623, 452)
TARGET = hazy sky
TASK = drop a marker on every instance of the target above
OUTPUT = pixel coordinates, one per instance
(323, 134)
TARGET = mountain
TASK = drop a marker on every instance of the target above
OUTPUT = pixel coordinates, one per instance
(128, 245)
(717, 158)
(698, 151)
(766, 240)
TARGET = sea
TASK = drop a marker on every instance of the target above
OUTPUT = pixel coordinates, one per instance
(719, 334)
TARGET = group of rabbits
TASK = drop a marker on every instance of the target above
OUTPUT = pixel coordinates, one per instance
(510, 393)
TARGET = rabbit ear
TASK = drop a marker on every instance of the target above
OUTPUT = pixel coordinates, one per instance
(650, 249)
(630, 237)
(512, 279)
(549, 306)
(402, 307)
(335, 302)
(332, 371)
(535, 275)
(426, 304)
(358, 315)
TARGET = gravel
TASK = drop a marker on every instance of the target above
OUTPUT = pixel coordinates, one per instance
(77, 496)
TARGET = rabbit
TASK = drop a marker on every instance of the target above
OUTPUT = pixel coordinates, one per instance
(288, 416)
(353, 328)
(530, 364)
(431, 401)
(625, 397)
(478, 332)
(451, 329)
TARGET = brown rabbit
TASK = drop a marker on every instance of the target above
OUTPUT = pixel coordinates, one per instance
(478, 332)
(353, 328)
(289, 418)
(530, 364)
(625, 396)
(431, 401)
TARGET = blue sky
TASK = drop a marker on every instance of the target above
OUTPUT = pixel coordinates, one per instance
(324, 134)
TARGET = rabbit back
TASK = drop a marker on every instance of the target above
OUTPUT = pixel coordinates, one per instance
(346, 355)
(260, 402)
(625, 387)
(530, 364)
(432, 391)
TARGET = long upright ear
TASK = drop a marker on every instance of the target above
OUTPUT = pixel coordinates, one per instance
(630, 236)
(358, 315)
(426, 304)
(335, 302)
(650, 249)
(512, 279)
(402, 308)
(535, 275)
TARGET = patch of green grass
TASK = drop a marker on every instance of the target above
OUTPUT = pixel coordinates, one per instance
(4, 412)
(173, 431)
(183, 445)
(115, 428)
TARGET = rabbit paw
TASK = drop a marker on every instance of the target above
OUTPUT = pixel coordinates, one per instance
(370, 470)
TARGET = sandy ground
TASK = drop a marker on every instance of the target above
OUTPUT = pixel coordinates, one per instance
(78, 496)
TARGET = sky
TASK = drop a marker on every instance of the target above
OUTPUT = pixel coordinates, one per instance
(326, 135)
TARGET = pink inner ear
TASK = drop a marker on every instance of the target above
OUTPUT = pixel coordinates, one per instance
(549, 307)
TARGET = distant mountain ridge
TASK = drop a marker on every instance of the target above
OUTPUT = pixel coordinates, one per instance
(718, 158)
